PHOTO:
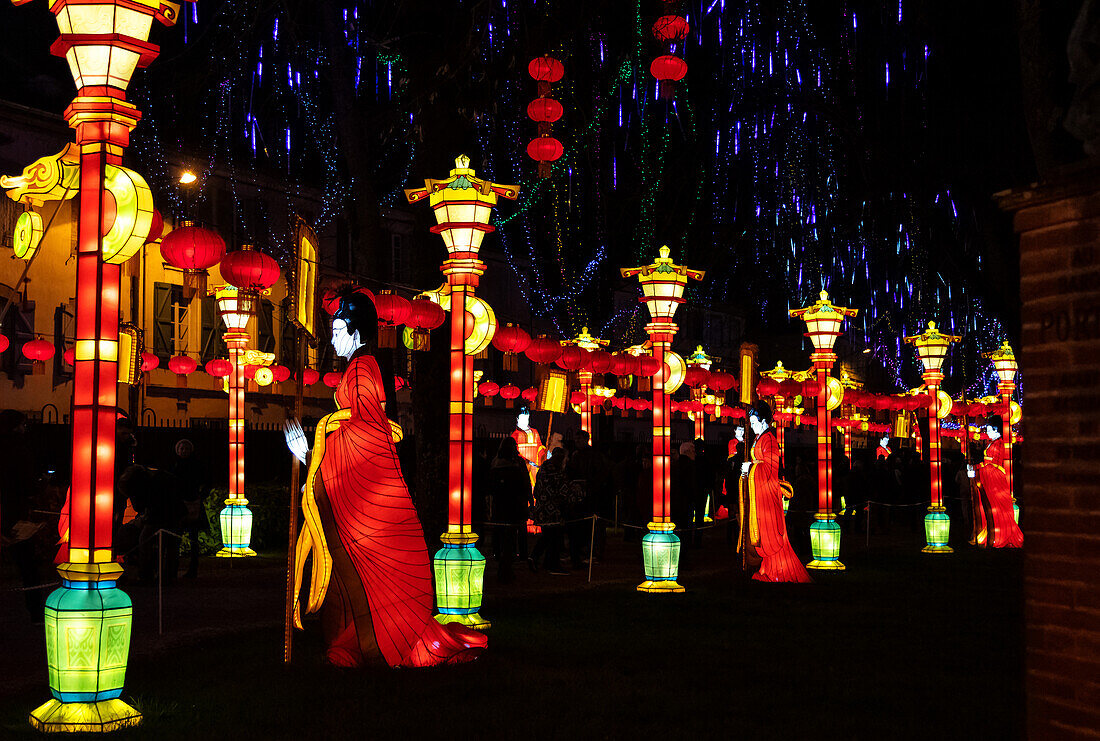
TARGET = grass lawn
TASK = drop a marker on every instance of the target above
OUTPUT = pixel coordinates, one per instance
(902, 645)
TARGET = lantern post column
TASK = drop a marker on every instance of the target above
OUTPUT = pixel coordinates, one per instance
(236, 518)
(1004, 361)
(462, 205)
(824, 532)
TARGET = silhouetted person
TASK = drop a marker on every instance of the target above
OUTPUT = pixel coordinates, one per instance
(21, 527)
(588, 468)
(190, 475)
(511, 487)
(553, 495)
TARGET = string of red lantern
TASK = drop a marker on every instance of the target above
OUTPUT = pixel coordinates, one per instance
(545, 111)
(669, 69)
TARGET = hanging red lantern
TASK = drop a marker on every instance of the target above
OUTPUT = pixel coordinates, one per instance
(156, 228)
(543, 350)
(696, 377)
(424, 316)
(69, 357)
(530, 395)
(722, 382)
(248, 269)
(182, 365)
(149, 362)
(4, 343)
(509, 393)
(310, 377)
(648, 366)
(882, 402)
(544, 150)
(767, 387)
(193, 249)
(280, 373)
(250, 372)
(488, 388)
(38, 350)
(790, 389)
(668, 69)
(600, 361)
(572, 358)
(576, 398)
(332, 379)
(544, 110)
(511, 340)
(545, 69)
(670, 28)
(392, 310)
(624, 364)
(219, 368)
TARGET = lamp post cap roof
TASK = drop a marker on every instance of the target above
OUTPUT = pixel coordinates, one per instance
(663, 264)
(932, 335)
(1004, 352)
(822, 306)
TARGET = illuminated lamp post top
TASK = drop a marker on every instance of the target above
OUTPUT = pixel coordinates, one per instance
(462, 204)
(663, 284)
(1004, 360)
(587, 341)
(932, 347)
(700, 358)
(823, 319)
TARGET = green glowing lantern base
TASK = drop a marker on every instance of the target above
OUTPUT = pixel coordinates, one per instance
(1015, 512)
(88, 621)
(825, 543)
(937, 528)
(459, 581)
(661, 558)
(236, 525)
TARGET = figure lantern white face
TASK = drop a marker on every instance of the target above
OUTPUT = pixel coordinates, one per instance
(885, 442)
(739, 433)
(993, 432)
(758, 425)
(523, 420)
(344, 343)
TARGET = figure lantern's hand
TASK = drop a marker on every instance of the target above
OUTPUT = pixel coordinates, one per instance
(296, 439)
(970, 470)
(745, 468)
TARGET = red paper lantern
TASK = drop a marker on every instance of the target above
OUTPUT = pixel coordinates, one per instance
(149, 362)
(670, 28)
(69, 356)
(182, 365)
(790, 389)
(280, 373)
(544, 110)
(738, 413)
(530, 395)
(511, 339)
(509, 392)
(546, 69)
(882, 402)
(543, 350)
(576, 398)
(545, 149)
(600, 361)
(392, 309)
(696, 377)
(38, 350)
(668, 67)
(219, 368)
(330, 301)
(624, 364)
(488, 388)
(3, 343)
(572, 358)
(767, 387)
(640, 405)
(676, 406)
(310, 377)
(925, 401)
(708, 409)
(722, 381)
(193, 249)
(332, 379)
(424, 314)
(250, 372)
(156, 227)
(648, 366)
(249, 270)
(809, 388)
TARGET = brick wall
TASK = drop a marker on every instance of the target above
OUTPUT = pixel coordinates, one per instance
(1059, 473)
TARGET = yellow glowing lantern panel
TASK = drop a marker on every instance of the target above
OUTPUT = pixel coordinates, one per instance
(28, 235)
(823, 320)
(663, 284)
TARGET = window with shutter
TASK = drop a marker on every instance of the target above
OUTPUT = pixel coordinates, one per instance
(213, 346)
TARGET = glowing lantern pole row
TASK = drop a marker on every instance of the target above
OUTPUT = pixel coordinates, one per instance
(823, 321)
(462, 204)
(587, 342)
(1004, 361)
(663, 284)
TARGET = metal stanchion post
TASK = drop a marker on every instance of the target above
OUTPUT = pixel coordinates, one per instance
(591, 549)
(160, 582)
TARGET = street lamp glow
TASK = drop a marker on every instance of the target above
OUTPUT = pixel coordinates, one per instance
(187, 177)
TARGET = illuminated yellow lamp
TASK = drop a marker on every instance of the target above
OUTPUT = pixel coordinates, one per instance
(932, 346)
(28, 235)
(187, 177)
(264, 376)
(133, 214)
(553, 390)
(483, 327)
(130, 347)
(747, 365)
(54, 177)
(823, 321)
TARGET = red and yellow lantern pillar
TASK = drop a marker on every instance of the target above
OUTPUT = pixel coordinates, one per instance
(663, 284)
(823, 321)
(103, 42)
(462, 204)
(932, 348)
(1004, 361)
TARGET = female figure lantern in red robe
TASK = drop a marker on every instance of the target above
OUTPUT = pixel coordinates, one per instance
(767, 528)
(360, 523)
(999, 528)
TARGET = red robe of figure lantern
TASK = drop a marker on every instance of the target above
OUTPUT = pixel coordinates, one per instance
(530, 444)
(996, 501)
(767, 529)
(363, 530)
